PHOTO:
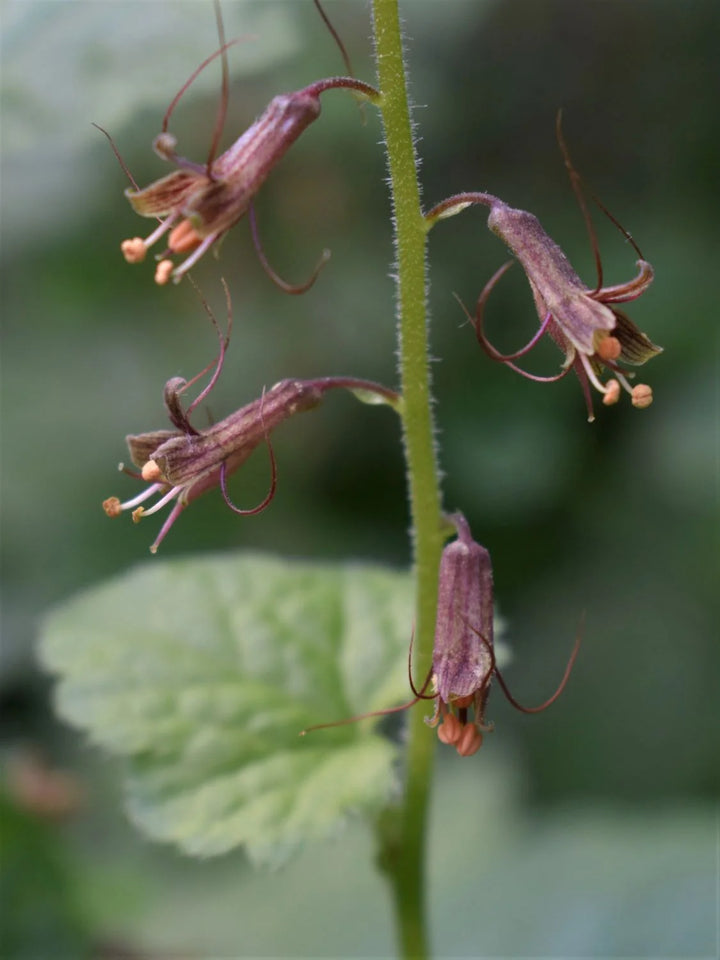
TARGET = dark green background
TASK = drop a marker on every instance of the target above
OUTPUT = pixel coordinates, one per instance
(618, 518)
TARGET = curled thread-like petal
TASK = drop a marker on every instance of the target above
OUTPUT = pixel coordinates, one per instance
(631, 290)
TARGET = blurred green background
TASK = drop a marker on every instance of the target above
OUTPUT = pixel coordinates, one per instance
(590, 830)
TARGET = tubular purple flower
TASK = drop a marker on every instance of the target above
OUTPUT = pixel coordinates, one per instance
(463, 657)
(464, 651)
(201, 202)
(582, 321)
(180, 465)
(463, 661)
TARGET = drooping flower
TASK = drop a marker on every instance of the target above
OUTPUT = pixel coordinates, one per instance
(199, 203)
(463, 653)
(180, 465)
(464, 650)
(584, 322)
(463, 662)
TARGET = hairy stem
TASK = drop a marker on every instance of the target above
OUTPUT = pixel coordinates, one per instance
(403, 855)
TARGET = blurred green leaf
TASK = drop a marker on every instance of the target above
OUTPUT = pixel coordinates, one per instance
(204, 672)
(42, 911)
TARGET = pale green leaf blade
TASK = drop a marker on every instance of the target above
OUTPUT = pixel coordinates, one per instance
(204, 672)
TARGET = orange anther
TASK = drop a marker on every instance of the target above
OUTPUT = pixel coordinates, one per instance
(151, 471)
(450, 729)
(609, 348)
(134, 250)
(112, 507)
(163, 272)
(183, 237)
(612, 393)
(470, 740)
(642, 396)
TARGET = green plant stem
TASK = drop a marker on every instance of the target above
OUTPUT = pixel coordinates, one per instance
(404, 859)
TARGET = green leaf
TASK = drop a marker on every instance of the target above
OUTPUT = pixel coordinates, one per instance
(204, 672)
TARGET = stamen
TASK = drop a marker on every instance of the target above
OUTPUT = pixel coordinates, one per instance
(449, 730)
(592, 376)
(624, 381)
(112, 507)
(151, 471)
(161, 229)
(642, 396)
(609, 348)
(183, 238)
(170, 495)
(163, 272)
(470, 740)
(133, 250)
(612, 393)
(194, 257)
(140, 498)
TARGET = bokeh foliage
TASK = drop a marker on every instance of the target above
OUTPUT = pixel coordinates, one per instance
(618, 518)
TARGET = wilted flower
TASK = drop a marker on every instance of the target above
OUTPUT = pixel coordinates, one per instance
(201, 202)
(582, 321)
